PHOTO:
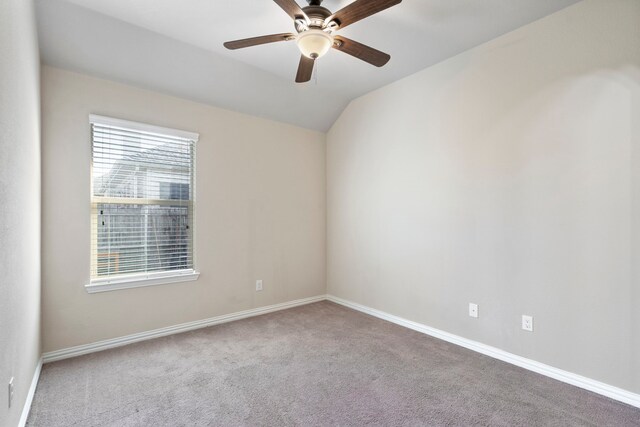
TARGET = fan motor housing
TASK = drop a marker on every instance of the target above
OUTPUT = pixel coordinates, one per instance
(317, 16)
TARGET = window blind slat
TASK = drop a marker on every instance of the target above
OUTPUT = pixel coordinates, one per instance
(119, 131)
(142, 205)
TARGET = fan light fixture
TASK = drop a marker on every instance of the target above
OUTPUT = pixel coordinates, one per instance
(314, 43)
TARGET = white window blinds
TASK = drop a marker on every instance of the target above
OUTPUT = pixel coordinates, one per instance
(142, 200)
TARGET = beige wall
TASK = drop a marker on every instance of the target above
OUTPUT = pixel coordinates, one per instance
(506, 176)
(19, 204)
(260, 213)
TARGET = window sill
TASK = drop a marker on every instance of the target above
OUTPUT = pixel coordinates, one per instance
(142, 280)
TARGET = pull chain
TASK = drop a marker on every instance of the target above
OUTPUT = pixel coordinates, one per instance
(316, 73)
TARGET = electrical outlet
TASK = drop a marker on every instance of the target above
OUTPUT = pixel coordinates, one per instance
(10, 391)
(258, 285)
(527, 323)
(473, 309)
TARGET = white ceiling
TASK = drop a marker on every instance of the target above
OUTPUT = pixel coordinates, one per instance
(175, 46)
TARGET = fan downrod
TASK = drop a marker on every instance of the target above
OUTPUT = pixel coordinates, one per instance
(314, 2)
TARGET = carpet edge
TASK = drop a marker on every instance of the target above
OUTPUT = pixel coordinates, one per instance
(26, 409)
(580, 381)
(69, 352)
(586, 383)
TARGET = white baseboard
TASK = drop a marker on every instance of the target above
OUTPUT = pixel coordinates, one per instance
(66, 353)
(32, 391)
(549, 371)
(531, 365)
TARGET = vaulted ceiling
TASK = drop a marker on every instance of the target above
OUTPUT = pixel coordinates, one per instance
(175, 47)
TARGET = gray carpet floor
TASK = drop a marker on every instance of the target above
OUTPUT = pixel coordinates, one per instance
(320, 364)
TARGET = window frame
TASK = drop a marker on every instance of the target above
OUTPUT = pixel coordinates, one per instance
(139, 279)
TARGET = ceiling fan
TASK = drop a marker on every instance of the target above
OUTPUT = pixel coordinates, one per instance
(315, 26)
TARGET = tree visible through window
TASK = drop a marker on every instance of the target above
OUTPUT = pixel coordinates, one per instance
(142, 199)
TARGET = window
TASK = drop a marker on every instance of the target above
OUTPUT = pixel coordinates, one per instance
(142, 210)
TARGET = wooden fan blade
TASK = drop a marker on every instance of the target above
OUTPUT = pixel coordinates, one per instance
(361, 51)
(305, 69)
(254, 41)
(360, 9)
(292, 9)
